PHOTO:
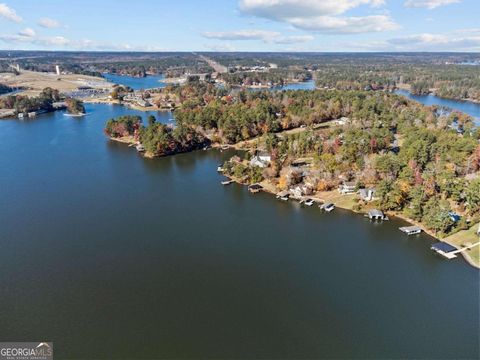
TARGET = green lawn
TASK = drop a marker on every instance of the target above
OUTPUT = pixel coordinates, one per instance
(463, 237)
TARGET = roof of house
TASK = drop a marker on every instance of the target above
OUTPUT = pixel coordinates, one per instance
(350, 183)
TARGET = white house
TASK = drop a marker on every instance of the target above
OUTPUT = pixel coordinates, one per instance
(261, 159)
(300, 190)
(366, 194)
(348, 187)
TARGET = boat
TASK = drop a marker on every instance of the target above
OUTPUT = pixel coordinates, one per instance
(224, 147)
(220, 169)
(227, 182)
(140, 148)
(328, 207)
(309, 202)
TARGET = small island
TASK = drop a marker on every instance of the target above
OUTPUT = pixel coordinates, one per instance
(155, 139)
(74, 107)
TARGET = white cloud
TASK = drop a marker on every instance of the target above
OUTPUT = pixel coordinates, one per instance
(241, 35)
(262, 35)
(27, 38)
(28, 32)
(48, 23)
(321, 16)
(429, 4)
(9, 14)
(345, 25)
(284, 9)
(294, 39)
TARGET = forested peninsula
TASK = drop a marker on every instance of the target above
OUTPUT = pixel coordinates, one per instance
(423, 162)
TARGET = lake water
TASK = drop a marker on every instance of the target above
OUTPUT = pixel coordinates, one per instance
(468, 107)
(305, 85)
(148, 82)
(110, 255)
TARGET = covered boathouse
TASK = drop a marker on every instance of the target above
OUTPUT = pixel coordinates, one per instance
(446, 250)
(376, 215)
(411, 230)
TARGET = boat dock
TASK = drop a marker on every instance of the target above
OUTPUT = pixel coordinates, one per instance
(328, 207)
(283, 195)
(255, 188)
(411, 230)
(376, 215)
(227, 182)
(448, 251)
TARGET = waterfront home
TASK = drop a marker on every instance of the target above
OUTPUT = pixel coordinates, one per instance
(348, 188)
(366, 194)
(375, 214)
(300, 190)
(261, 159)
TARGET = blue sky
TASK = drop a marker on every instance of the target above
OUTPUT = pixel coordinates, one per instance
(241, 25)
